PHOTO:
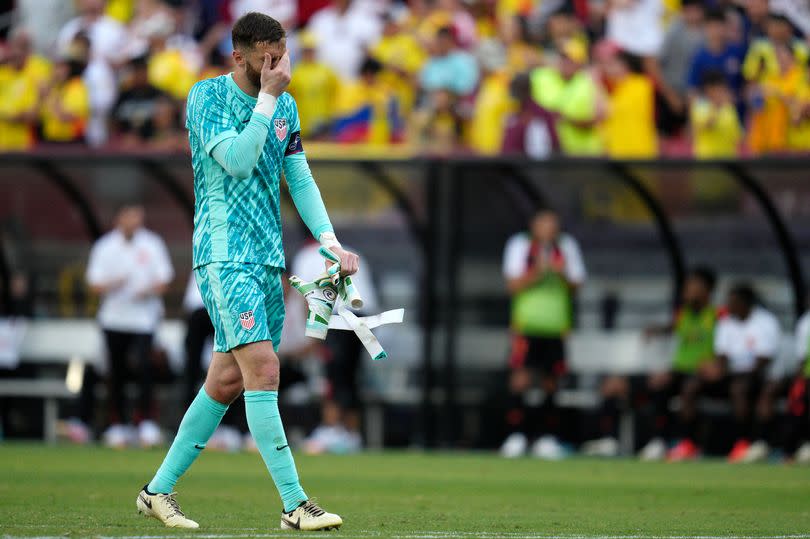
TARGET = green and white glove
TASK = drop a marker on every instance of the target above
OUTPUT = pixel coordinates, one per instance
(321, 296)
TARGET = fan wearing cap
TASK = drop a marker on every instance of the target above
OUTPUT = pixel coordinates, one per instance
(570, 91)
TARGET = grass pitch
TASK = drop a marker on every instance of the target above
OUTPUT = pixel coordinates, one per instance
(79, 492)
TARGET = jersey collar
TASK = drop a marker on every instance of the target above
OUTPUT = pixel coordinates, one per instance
(235, 87)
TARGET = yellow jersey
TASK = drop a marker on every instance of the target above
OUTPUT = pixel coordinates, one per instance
(170, 71)
(315, 87)
(629, 129)
(73, 98)
(715, 129)
(19, 94)
(493, 104)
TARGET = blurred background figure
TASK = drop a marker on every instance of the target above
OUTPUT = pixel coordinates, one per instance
(629, 125)
(345, 31)
(718, 54)
(315, 86)
(693, 328)
(130, 269)
(543, 268)
(746, 343)
(531, 130)
(775, 68)
(136, 112)
(569, 90)
(24, 75)
(106, 40)
(797, 443)
(339, 431)
(683, 39)
(66, 107)
(716, 129)
(449, 67)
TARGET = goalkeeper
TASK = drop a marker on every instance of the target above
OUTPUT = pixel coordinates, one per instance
(243, 131)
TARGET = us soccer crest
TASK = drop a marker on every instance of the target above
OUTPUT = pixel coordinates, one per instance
(281, 128)
(247, 320)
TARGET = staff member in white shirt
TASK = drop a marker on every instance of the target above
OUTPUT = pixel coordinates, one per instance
(746, 342)
(131, 270)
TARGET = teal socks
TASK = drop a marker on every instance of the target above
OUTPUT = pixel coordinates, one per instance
(199, 423)
(264, 420)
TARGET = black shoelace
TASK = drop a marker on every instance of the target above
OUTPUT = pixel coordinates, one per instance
(173, 504)
(311, 508)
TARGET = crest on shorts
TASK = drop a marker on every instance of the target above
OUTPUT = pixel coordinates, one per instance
(247, 320)
(281, 128)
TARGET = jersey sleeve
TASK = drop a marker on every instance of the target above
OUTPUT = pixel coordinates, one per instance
(769, 339)
(294, 143)
(208, 115)
(96, 271)
(575, 270)
(514, 257)
(803, 336)
(721, 338)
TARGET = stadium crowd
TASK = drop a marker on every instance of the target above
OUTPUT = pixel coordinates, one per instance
(622, 78)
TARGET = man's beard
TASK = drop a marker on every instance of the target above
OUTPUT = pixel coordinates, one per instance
(255, 77)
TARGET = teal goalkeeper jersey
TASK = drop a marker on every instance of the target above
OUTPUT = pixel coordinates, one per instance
(237, 220)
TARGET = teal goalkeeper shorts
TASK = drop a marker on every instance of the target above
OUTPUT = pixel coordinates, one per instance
(245, 302)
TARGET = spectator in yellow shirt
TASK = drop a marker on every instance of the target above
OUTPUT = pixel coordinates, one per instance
(629, 128)
(716, 130)
(493, 104)
(771, 125)
(22, 78)
(402, 57)
(314, 86)
(775, 68)
(66, 106)
(172, 66)
(799, 135)
(366, 111)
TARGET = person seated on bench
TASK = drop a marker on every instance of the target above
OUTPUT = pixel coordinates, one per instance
(693, 328)
(746, 341)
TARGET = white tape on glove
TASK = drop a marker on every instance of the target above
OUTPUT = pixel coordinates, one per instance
(320, 296)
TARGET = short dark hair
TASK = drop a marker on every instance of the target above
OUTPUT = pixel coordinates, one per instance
(776, 16)
(745, 293)
(716, 15)
(713, 77)
(370, 66)
(521, 87)
(705, 274)
(253, 28)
